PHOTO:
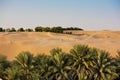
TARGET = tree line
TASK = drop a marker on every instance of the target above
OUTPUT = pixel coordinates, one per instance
(57, 29)
(81, 63)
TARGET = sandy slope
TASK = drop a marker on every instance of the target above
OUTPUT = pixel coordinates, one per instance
(13, 43)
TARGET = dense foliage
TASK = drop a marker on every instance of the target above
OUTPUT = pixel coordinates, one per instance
(81, 63)
(57, 29)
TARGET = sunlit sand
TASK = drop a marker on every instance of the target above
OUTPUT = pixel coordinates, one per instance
(12, 43)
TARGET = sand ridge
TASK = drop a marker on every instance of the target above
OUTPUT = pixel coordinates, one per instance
(12, 43)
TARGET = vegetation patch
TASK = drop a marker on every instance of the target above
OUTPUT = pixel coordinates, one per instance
(81, 63)
(57, 29)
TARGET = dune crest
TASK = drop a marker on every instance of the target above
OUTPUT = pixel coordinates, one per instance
(12, 43)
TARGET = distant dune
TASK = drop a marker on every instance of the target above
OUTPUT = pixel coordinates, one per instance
(12, 43)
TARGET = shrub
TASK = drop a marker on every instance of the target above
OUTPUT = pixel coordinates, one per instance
(57, 29)
(46, 29)
(39, 29)
(29, 30)
(68, 32)
(1, 29)
(20, 30)
(12, 30)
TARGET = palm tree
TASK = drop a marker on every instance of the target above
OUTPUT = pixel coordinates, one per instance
(12, 73)
(35, 76)
(82, 58)
(118, 65)
(4, 63)
(118, 58)
(42, 66)
(60, 64)
(104, 66)
(24, 59)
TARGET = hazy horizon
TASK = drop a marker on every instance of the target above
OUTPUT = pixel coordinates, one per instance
(86, 14)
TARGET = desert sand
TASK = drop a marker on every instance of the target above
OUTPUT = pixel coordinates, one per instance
(12, 43)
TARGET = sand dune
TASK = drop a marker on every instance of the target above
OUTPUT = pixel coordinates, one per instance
(12, 43)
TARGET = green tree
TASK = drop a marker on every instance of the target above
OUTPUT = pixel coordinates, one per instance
(12, 29)
(42, 65)
(24, 59)
(82, 58)
(72, 28)
(60, 64)
(118, 65)
(20, 30)
(1, 29)
(57, 29)
(104, 67)
(4, 64)
(38, 29)
(46, 29)
(12, 73)
(29, 30)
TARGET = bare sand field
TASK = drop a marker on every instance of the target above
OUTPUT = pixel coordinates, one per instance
(12, 43)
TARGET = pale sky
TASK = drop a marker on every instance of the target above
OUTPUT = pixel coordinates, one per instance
(86, 14)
